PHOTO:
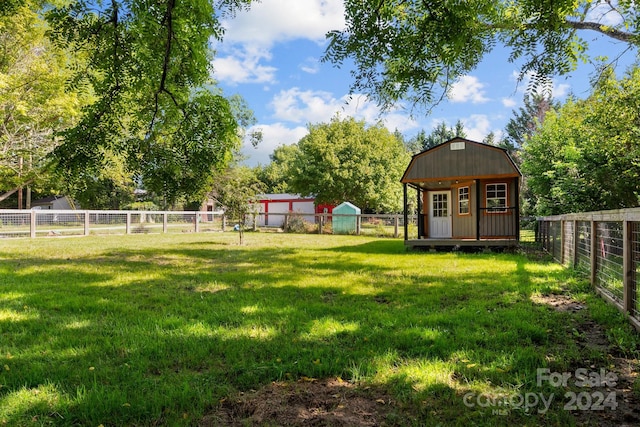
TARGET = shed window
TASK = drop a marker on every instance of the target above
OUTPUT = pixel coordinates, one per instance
(496, 198)
(463, 200)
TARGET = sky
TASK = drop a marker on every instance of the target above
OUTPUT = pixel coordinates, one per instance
(271, 55)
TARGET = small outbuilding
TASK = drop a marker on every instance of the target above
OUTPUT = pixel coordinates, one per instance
(344, 218)
(467, 195)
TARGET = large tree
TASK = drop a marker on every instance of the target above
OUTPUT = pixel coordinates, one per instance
(34, 102)
(585, 155)
(275, 175)
(147, 62)
(344, 160)
(414, 50)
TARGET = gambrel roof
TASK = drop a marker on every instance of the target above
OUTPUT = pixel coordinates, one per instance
(460, 159)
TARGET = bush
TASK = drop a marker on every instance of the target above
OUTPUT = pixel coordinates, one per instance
(297, 224)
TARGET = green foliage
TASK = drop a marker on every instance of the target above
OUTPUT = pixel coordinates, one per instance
(235, 189)
(343, 160)
(146, 62)
(584, 156)
(34, 102)
(275, 175)
(415, 50)
(440, 134)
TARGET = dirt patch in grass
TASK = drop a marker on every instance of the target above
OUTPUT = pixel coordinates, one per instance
(308, 402)
(591, 335)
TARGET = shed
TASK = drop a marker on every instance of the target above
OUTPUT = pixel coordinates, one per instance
(344, 218)
(54, 203)
(467, 194)
(274, 207)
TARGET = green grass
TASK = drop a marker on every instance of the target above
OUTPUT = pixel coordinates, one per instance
(157, 329)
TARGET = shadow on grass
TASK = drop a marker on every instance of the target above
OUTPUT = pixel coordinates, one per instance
(160, 335)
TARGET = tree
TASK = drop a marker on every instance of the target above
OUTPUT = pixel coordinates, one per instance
(344, 160)
(415, 50)
(275, 176)
(34, 102)
(148, 65)
(584, 156)
(235, 189)
(440, 134)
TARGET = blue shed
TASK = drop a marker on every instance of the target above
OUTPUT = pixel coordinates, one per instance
(346, 224)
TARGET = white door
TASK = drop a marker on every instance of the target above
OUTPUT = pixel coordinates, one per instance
(439, 214)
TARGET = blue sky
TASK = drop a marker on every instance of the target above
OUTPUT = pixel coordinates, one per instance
(271, 56)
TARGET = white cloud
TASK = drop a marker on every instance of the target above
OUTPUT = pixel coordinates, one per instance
(509, 102)
(243, 66)
(271, 21)
(310, 65)
(273, 135)
(467, 89)
(477, 126)
(251, 34)
(307, 106)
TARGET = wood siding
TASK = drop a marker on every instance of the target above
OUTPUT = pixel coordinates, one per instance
(464, 226)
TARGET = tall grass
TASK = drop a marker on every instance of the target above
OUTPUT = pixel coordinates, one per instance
(158, 329)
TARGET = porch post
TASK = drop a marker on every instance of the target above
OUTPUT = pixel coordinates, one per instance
(406, 214)
(420, 215)
(478, 209)
(517, 195)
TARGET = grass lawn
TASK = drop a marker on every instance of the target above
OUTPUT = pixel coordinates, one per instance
(160, 329)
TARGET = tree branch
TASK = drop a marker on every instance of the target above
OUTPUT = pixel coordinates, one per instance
(614, 33)
(165, 65)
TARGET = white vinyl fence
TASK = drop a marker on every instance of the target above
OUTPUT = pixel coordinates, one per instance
(40, 223)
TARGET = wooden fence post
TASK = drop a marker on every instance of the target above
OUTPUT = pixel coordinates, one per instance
(32, 224)
(127, 226)
(396, 221)
(196, 226)
(165, 222)
(576, 236)
(562, 241)
(594, 251)
(627, 265)
(87, 223)
(358, 224)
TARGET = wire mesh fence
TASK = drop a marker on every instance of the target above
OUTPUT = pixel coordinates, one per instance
(583, 246)
(568, 244)
(604, 244)
(39, 223)
(609, 262)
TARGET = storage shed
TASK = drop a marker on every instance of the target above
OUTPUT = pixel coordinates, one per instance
(467, 195)
(344, 218)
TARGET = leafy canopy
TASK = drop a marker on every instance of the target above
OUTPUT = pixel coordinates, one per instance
(584, 156)
(414, 50)
(147, 62)
(344, 160)
(34, 102)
